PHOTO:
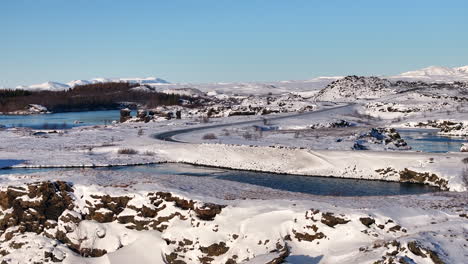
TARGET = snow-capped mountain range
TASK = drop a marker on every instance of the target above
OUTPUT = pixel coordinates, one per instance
(56, 86)
(435, 74)
(429, 74)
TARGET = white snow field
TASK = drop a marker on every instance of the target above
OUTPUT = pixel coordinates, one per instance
(334, 127)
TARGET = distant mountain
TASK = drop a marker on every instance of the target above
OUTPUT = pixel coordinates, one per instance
(52, 86)
(56, 86)
(430, 74)
(435, 74)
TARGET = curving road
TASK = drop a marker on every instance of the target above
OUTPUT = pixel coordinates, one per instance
(168, 135)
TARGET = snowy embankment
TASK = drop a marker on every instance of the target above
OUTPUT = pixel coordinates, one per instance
(58, 222)
(443, 170)
(457, 128)
(99, 146)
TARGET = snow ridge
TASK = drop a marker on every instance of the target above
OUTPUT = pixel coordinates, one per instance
(56, 86)
(435, 74)
(355, 87)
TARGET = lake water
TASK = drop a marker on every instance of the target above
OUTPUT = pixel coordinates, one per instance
(60, 120)
(427, 140)
(302, 184)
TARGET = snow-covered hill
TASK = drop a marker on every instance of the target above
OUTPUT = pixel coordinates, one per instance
(56, 86)
(351, 88)
(307, 88)
(52, 86)
(435, 74)
(244, 88)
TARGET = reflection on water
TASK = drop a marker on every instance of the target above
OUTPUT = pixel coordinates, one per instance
(427, 140)
(292, 183)
(302, 184)
(60, 120)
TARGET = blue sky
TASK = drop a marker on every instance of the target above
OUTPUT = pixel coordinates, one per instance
(205, 41)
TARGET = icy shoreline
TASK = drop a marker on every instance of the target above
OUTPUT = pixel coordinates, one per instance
(349, 164)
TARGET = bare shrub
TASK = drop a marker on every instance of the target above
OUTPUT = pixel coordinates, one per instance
(226, 133)
(259, 133)
(127, 151)
(465, 176)
(149, 153)
(296, 134)
(205, 119)
(107, 144)
(209, 136)
(465, 172)
(247, 135)
(140, 132)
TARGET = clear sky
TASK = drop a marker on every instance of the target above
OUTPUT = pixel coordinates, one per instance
(205, 41)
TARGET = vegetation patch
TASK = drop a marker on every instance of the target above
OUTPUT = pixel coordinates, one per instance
(99, 96)
(407, 175)
(127, 151)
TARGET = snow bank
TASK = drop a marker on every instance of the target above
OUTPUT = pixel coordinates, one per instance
(115, 225)
(389, 166)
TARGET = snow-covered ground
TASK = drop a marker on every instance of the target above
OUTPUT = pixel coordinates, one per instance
(145, 221)
(101, 145)
(103, 216)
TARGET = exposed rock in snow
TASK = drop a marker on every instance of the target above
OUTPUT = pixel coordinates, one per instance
(35, 108)
(388, 137)
(464, 147)
(352, 88)
(447, 127)
(59, 222)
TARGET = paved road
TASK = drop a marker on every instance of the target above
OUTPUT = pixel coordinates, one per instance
(168, 135)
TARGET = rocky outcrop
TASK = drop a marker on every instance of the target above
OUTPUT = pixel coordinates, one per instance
(125, 115)
(31, 207)
(408, 175)
(381, 136)
(86, 224)
(464, 147)
(447, 127)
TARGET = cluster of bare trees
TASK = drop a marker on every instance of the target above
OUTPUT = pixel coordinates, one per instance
(97, 96)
